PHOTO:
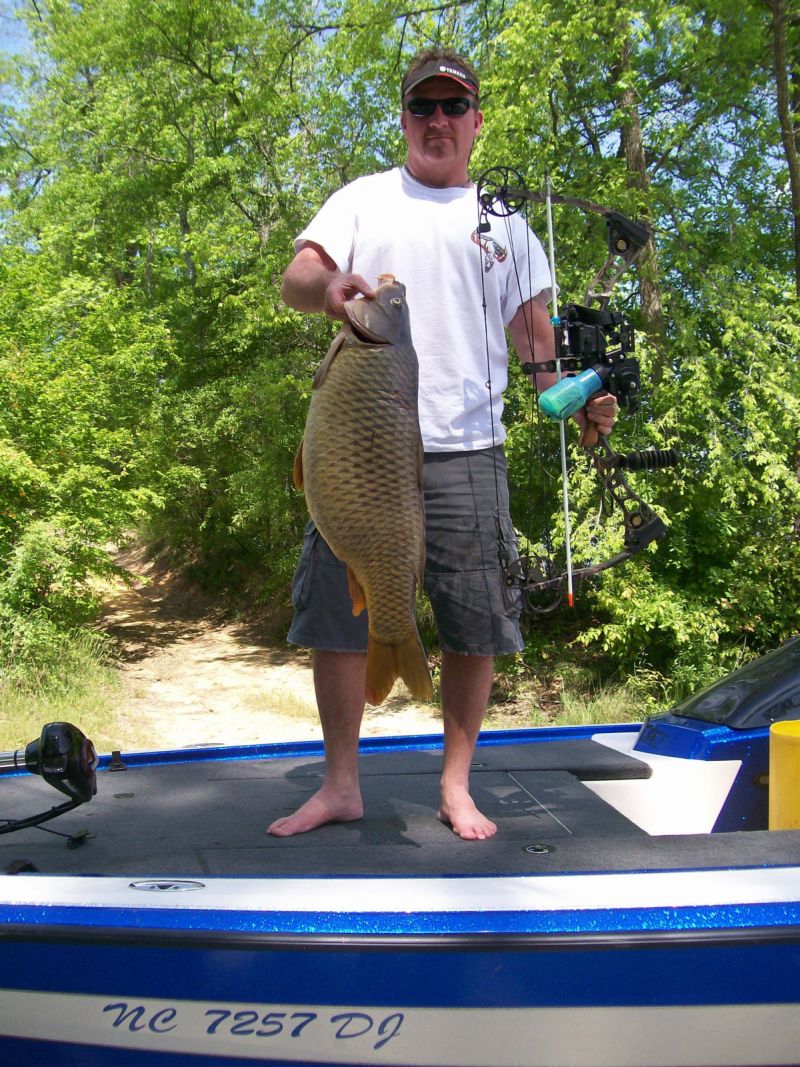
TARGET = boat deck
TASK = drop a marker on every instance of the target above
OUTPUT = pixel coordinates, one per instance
(205, 812)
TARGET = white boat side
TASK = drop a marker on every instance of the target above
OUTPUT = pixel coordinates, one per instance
(399, 1036)
(375, 895)
(681, 796)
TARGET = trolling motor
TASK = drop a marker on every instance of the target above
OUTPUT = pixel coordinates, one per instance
(66, 759)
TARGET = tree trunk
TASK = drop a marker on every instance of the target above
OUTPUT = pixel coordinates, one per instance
(191, 270)
(789, 133)
(632, 147)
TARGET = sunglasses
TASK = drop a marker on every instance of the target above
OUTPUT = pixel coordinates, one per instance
(422, 108)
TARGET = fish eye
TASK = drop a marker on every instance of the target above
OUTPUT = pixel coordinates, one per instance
(396, 301)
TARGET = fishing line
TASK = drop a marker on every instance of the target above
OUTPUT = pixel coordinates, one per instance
(538, 435)
(561, 425)
(483, 227)
(531, 342)
(510, 567)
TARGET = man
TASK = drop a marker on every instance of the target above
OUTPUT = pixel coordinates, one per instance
(420, 223)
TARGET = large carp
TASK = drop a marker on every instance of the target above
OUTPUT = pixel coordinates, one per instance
(360, 465)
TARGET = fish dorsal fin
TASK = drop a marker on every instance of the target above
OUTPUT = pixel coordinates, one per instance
(325, 365)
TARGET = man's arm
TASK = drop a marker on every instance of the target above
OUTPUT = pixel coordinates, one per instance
(313, 283)
(532, 334)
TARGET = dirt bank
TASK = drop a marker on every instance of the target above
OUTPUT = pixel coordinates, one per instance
(190, 679)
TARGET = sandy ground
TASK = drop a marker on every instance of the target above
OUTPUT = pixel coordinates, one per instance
(188, 680)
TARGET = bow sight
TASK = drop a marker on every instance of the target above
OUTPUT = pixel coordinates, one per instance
(502, 192)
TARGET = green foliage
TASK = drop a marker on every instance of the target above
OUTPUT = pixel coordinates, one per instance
(47, 576)
(59, 676)
(79, 369)
(156, 162)
(727, 576)
(721, 378)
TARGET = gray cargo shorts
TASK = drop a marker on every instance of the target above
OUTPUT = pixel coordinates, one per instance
(467, 526)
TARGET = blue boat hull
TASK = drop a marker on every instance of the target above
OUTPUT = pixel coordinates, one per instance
(666, 999)
(633, 910)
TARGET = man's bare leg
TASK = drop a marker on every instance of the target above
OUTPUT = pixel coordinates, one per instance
(466, 683)
(339, 680)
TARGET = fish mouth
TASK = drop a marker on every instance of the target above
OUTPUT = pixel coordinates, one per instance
(356, 312)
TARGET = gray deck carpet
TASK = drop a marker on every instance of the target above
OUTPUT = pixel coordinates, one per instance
(209, 817)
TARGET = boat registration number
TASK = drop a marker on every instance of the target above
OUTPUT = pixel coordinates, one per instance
(378, 1028)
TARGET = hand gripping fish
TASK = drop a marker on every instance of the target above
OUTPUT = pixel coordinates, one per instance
(360, 466)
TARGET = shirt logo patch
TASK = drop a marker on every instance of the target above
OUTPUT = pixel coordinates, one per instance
(493, 252)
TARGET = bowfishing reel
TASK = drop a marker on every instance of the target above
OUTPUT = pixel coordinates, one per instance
(66, 759)
(597, 344)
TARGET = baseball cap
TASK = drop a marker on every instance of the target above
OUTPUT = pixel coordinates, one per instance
(440, 68)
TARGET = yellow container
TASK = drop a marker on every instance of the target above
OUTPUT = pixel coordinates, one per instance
(784, 775)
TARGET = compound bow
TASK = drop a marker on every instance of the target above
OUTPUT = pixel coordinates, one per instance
(586, 336)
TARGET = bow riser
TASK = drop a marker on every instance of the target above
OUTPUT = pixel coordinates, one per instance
(587, 336)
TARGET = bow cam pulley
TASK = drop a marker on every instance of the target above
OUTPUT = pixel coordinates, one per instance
(501, 192)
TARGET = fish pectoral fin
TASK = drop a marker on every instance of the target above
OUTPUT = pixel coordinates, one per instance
(357, 594)
(330, 356)
(297, 469)
(387, 663)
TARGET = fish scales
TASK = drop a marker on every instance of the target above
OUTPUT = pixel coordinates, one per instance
(361, 471)
(360, 466)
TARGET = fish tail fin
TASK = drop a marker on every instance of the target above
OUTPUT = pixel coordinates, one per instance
(412, 666)
(387, 663)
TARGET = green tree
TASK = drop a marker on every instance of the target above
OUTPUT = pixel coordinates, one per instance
(667, 112)
(157, 161)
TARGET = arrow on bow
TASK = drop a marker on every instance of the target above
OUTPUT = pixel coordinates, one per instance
(583, 335)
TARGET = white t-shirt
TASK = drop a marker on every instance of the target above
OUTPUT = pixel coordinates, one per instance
(428, 239)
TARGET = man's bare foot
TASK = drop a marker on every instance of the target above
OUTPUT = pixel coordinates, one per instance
(323, 807)
(463, 818)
